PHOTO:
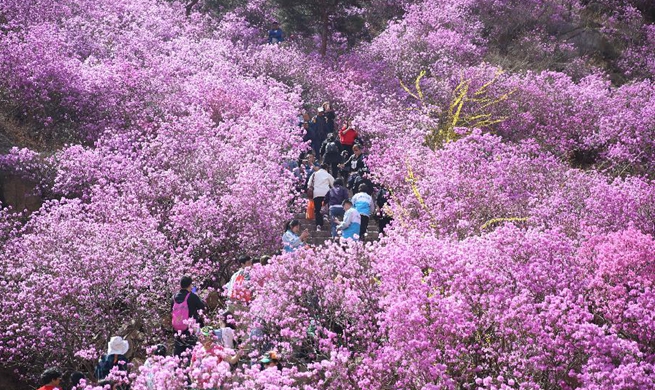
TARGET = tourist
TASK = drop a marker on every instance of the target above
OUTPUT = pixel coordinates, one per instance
(347, 136)
(263, 260)
(334, 199)
(321, 182)
(111, 385)
(212, 347)
(331, 154)
(158, 353)
(350, 227)
(51, 379)
(309, 165)
(225, 332)
(115, 357)
(76, 380)
(292, 238)
(384, 218)
(319, 129)
(275, 34)
(238, 289)
(343, 170)
(363, 202)
(313, 136)
(356, 166)
(185, 305)
(270, 360)
(329, 117)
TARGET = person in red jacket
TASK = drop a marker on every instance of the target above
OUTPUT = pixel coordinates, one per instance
(51, 379)
(347, 136)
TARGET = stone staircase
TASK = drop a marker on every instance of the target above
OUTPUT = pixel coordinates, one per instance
(317, 238)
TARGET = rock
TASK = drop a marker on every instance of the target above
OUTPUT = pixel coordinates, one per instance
(18, 193)
(9, 381)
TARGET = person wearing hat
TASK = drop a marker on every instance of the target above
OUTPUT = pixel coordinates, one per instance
(308, 166)
(275, 34)
(115, 357)
(270, 360)
(51, 379)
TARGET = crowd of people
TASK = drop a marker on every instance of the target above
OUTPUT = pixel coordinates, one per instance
(333, 168)
(194, 339)
(113, 361)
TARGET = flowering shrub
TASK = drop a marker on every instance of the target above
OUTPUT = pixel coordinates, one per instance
(506, 310)
(319, 306)
(65, 296)
(458, 190)
(185, 173)
(520, 250)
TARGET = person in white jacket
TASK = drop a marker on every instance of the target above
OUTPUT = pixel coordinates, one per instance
(321, 181)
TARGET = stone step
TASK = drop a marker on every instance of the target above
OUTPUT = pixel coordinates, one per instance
(318, 238)
(301, 218)
(325, 232)
(321, 237)
(371, 222)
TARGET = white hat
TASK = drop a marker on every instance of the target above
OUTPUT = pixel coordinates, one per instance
(117, 346)
(320, 109)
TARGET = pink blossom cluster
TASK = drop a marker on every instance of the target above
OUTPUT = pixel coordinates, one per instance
(520, 255)
(184, 172)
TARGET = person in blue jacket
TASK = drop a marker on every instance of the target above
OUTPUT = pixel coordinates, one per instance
(363, 202)
(275, 34)
(350, 226)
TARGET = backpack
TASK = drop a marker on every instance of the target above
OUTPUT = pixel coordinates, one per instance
(332, 148)
(181, 314)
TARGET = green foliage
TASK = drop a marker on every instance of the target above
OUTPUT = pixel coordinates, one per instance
(323, 17)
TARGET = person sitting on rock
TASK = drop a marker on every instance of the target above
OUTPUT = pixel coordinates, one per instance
(292, 238)
(350, 227)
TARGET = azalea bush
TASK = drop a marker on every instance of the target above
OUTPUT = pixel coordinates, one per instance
(512, 309)
(515, 139)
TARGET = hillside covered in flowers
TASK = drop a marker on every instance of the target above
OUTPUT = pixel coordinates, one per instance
(515, 140)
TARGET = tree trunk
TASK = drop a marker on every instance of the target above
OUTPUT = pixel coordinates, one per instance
(325, 24)
(189, 6)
